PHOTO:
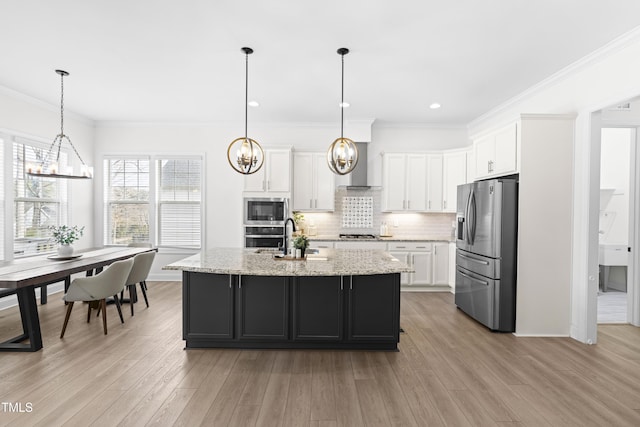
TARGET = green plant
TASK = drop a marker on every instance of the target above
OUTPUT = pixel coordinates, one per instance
(298, 217)
(301, 242)
(66, 235)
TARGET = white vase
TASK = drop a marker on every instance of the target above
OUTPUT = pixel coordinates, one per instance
(65, 250)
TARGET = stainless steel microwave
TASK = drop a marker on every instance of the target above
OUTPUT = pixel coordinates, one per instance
(265, 211)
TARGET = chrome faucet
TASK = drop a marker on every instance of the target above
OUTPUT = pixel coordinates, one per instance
(286, 241)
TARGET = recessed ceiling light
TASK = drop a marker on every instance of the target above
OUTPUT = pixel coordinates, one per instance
(253, 104)
(344, 105)
(434, 106)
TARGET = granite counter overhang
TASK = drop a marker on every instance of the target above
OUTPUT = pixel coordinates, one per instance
(334, 238)
(339, 262)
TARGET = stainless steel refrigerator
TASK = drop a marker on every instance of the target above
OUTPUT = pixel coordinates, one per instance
(486, 245)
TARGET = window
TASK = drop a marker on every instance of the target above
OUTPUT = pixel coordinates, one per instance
(155, 199)
(37, 202)
(127, 201)
(179, 203)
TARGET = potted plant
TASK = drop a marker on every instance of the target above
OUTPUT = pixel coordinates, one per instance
(65, 236)
(298, 219)
(301, 242)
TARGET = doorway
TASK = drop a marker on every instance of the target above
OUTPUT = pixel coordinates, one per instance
(616, 211)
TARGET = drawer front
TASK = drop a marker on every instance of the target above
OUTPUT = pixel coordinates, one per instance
(411, 246)
(488, 267)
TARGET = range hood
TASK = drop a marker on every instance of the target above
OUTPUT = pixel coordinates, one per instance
(359, 173)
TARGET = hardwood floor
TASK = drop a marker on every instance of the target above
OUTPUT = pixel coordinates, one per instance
(449, 371)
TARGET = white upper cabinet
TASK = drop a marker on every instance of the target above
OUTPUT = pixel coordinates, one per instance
(404, 182)
(274, 175)
(434, 183)
(454, 173)
(313, 183)
(496, 153)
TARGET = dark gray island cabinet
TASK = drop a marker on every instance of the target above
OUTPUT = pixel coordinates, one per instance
(350, 299)
(240, 311)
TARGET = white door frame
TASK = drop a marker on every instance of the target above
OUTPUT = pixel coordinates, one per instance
(633, 273)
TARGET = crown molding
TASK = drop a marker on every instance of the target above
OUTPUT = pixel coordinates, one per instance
(12, 93)
(611, 48)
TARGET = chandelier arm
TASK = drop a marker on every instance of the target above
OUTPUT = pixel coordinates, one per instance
(74, 150)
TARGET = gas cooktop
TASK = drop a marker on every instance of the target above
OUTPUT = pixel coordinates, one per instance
(358, 236)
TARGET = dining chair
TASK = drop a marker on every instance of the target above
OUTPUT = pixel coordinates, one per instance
(97, 288)
(139, 273)
(141, 245)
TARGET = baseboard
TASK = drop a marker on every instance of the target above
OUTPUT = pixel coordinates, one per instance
(541, 335)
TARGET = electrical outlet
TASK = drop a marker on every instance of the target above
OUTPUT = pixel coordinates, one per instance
(396, 223)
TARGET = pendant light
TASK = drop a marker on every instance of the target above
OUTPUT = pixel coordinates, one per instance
(342, 155)
(245, 155)
(50, 166)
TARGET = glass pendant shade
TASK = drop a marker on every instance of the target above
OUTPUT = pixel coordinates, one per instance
(245, 155)
(342, 156)
(50, 166)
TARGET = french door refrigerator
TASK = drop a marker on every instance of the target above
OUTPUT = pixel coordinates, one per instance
(486, 244)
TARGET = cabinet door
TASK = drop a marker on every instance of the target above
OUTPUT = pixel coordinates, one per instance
(325, 184)
(278, 176)
(422, 263)
(263, 308)
(303, 196)
(441, 264)
(373, 307)
(434, 183)
(454, 173)
(471, 166)
(403, 257)
(256, 181)
(505, 150)
(416, 185)
(208, 306)
(317, 308)
(393, 182)
(484, 151)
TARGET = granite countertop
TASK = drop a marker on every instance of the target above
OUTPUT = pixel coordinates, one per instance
(336, 238)
(328, 262)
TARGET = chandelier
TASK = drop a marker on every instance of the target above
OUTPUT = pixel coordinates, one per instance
(342, 155)
(245, 155)
(50, 165)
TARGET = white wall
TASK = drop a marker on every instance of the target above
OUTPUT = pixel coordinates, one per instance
(604, 78)
(32, 118)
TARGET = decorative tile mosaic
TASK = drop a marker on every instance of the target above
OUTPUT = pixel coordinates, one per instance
(357, 212)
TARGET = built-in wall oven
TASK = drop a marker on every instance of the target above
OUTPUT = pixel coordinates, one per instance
(263, 236)
(264, 222)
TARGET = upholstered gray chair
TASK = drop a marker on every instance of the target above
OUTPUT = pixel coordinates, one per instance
(97, 288)
(139, 273)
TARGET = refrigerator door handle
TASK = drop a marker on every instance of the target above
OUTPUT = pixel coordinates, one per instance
(468, 219)
(473, 278)
(473, 259)
(472, 223)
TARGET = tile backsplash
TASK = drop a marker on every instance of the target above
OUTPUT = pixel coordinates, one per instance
(359, 211)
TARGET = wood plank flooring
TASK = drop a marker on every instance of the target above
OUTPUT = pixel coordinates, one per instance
(449, 371)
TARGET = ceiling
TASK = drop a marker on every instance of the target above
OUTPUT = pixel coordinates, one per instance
(160, 60)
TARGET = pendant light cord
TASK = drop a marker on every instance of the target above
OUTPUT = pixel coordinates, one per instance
(342, 101)
(246, 93)
(62, 104)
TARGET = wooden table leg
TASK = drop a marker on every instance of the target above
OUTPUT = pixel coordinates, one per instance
(30, 323)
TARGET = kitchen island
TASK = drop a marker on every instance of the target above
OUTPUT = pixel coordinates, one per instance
(334, 299)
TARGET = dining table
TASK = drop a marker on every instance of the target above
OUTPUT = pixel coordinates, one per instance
(25, 274)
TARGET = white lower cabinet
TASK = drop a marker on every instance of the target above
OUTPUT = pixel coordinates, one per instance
(441, 263)
(314, 244)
